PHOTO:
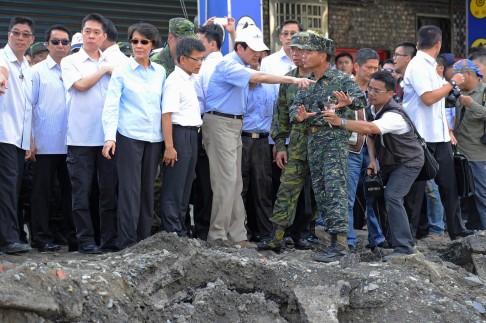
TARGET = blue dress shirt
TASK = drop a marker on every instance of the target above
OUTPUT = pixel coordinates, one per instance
(259, 109)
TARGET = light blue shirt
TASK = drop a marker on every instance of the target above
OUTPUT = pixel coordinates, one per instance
(228, 86)
(259, 109)
(49, 116)
(85, 108)
(202, 79)
(133, 104)
(16, 103)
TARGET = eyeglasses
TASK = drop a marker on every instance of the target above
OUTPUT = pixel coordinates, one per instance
(56, 42)
(377, 91)
(398, 54)
(287, 34)
(199, 60)
(18, 34)
(389, 70)
(142, 41)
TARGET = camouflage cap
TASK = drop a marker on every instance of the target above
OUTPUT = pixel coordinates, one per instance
(181, 27)
(299, 39)
(37, 48)
(125, 48)
(320, 44)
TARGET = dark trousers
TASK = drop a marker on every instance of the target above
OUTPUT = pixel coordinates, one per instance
(256, 172)
(176, 188)
(414, 206)
(201, 193)
(137, 163)
(46, 167)
(11, 169)
(83, 162)
(446, 180)
(398, 183)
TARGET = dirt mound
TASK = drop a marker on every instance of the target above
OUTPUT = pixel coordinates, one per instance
(170, 279)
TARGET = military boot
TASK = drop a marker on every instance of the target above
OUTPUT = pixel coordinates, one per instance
(336, 250)
(275, 243)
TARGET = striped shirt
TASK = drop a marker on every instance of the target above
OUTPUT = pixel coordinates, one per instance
(49, 117)
(15, 104)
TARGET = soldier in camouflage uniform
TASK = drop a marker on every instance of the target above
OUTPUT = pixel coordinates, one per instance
(178, 28)
(327, 146)
(296, 171)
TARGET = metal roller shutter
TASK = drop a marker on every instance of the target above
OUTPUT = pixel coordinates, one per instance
(123, 13)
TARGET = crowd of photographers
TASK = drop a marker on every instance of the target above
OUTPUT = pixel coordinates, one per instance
(253, 148)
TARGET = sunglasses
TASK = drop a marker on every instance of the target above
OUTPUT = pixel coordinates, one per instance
(56, 42)
(143, 41)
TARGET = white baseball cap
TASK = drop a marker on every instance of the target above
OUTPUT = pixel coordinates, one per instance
(253, 37)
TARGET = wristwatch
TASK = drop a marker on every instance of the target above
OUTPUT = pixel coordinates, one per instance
(343, 123)
(453, 83)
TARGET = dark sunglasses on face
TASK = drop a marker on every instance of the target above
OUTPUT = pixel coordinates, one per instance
(56, 42)
(143, 41)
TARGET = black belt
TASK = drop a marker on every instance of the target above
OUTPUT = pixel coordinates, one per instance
(226, 115)
(187, 127)
(255, 135)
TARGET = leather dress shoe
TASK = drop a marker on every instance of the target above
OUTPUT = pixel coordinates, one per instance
(15, 247)
(90, 249)
(302, 244)
(49, 246)
(72, 247)
(313, 239)
(288, 241)
(462, 234)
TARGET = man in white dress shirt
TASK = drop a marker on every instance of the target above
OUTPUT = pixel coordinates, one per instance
(86, 75)
(15, 128)
(48, 144)
(110, 48)
(181, 122)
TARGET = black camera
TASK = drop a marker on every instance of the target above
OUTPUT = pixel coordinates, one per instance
(374, 186)
(451, 98)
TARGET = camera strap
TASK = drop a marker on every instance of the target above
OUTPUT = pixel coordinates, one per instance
(463, 111)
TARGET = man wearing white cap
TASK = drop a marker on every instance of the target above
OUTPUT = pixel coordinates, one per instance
(224, 109)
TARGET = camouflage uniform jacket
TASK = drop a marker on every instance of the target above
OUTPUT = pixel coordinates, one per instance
(165, 59)
(281, 126)
(332, 80)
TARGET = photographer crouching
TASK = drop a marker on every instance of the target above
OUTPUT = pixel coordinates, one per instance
(470, 133)
(399, 152)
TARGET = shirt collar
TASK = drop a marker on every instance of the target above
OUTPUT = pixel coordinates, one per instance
(50, 62)
(134, 64)
(11, 56)
(82, 55)
(214, 55)
(182, 73)
(283, 55)
(235, 56)
(427, 57)
(112, 48)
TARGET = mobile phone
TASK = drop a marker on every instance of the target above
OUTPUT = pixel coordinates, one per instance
(221, 21)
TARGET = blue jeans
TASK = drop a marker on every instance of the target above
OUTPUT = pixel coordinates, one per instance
(356, 164)
(435, 210)
(479, 173)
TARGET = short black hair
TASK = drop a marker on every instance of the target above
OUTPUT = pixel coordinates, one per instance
(428, 36)
(111, 32)
(186, 45)
(23, 21)
(149, 31)
(344, 54)
(57, 27)
(480, 55)
(291, 21)
(440, 61)
(365, 54)
(243, 44)
(386, 78)
(388, 61)
(409, 48)
(212, 32)
(95, 17)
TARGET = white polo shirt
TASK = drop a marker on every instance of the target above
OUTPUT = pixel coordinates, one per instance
(49, 119)
(277, 64)
(391, 122)
(85, 108)
(16, 103)
(420, 77)
(115, 56)
(180, 98)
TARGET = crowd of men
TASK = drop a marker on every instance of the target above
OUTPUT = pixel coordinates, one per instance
(264, 148)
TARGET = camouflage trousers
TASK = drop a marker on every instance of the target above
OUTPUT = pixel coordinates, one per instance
(328, 162)
(292, 181)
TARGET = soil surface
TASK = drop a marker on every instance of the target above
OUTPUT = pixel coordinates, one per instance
(169, 279)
